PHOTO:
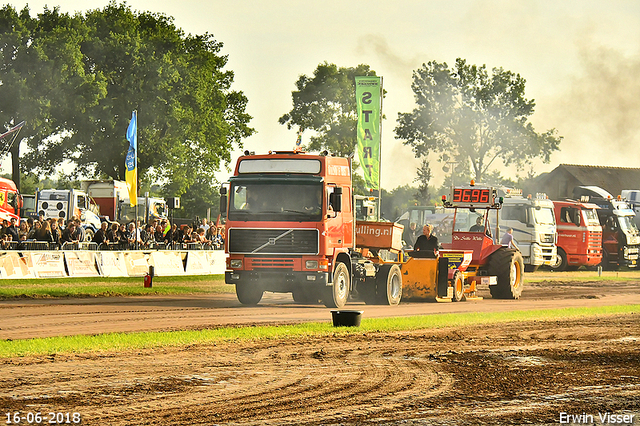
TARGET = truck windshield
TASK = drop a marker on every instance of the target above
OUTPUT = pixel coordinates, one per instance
(627, 224)
(591, 217)
(544, 216)
(278, 202)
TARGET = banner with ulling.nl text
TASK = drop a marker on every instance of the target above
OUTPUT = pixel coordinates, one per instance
(368, 106)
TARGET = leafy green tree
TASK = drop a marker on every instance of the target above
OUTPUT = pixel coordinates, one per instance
(188, 116)
(200, 198)
(43, 78)
(326, 104)
(473, 116)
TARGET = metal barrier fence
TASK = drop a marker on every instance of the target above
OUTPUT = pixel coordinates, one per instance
(32, 245)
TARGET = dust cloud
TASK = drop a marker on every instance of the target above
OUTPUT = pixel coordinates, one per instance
(598, 113)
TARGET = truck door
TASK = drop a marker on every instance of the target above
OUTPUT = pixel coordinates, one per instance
(339, 225)
(569, 234)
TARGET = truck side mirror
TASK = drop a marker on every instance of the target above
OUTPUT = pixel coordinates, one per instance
(223, 200)
(336, 199)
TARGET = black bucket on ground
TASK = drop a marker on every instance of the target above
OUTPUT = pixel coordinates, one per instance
(346, 318)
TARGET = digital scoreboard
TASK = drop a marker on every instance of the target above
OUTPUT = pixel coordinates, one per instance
(472, 197)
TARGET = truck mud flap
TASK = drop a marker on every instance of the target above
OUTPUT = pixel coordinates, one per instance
(443, 276)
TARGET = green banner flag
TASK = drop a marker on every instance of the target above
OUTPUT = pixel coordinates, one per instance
(368, 105)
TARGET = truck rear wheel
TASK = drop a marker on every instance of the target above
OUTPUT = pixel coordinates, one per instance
(389, 285)
(249, 294)
(336, 296)
(458, 287)
(506, 264)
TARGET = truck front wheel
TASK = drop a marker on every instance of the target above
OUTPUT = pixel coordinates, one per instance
(249, 294)
(336, 295)
(560, 262)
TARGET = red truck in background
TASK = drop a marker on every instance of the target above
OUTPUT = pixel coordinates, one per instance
(10, 200)
(579, 235)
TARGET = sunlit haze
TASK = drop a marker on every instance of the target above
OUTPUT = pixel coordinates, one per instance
(580, 59)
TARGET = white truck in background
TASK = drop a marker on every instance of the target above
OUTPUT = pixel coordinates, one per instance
(534, 226)
(632, 196)
(112, 197)
(63, 204)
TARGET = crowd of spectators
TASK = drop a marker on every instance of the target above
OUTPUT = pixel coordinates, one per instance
(158, 234)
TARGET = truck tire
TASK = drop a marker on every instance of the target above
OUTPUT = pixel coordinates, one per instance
(249, 294)
(506, 264)
(336, 295)
(560, 262)
(305, 296)
(389, 285)
(458, 287)
(606, 263)
(88, 235)
(367, 291)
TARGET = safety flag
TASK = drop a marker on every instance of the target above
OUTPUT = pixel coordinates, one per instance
(131, 161)
(369, 106)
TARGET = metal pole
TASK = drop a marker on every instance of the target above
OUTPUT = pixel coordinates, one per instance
(380, 154)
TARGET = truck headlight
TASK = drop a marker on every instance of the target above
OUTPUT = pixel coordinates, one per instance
(311, 264)
(235, 263)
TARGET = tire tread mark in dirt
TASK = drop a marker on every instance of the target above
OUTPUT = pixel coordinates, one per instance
(365, 389)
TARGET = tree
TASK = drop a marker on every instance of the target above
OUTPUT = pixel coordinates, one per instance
(474, 117)
(397, 201)
(43, 78)
(188, 116)
(326, 104)
(200, 196)
(424, 176)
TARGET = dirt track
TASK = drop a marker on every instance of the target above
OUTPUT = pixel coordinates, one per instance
(525, 373)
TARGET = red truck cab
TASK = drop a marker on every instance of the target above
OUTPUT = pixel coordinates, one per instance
(579, 235)
(289, 223)
(10, 200)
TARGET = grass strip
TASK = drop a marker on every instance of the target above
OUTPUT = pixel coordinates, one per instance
(120, 286)
(583, 276)
(109, 342)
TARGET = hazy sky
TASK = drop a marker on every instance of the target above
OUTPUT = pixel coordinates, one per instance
(580, 58)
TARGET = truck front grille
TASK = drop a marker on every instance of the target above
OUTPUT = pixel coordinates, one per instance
(273, 241)
(269, 263)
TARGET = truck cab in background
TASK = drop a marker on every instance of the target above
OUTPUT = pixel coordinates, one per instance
(28, 209)
(366, 207)
(534, 226)
(112, 198)
(632, 196)
(10, 200)
(579, 235)
(63, 204)
(620, 236)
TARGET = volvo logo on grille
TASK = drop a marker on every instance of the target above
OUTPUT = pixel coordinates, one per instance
(272, 241)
